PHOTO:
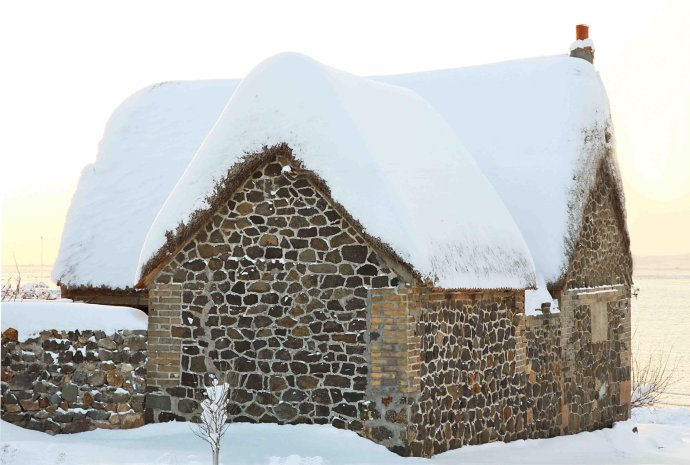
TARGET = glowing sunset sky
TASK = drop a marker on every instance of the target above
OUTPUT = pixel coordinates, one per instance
(68, 64)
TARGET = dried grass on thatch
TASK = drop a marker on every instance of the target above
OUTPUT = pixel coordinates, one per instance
(603, 174)
(233, 180)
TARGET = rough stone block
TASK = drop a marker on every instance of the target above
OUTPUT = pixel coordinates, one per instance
(157, 401)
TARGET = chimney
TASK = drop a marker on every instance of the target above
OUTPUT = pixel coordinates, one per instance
(583, 47)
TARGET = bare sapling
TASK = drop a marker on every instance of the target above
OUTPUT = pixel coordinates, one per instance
(651, 379)
(651, 375)
(215, 411)
(9, 291)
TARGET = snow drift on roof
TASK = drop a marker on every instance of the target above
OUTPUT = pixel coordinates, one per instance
(388, 157)
(146, 146)
(523, 121)
(538, 130)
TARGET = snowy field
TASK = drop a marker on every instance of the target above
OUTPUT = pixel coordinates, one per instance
(663, 437)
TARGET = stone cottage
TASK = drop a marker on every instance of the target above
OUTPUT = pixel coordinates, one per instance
(431, 260)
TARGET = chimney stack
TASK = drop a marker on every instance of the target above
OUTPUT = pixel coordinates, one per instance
(583, 47)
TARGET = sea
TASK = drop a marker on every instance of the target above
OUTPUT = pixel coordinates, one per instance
(660, 315)
(661, 319)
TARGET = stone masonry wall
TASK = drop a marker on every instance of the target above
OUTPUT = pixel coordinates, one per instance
(73, 381)
(280, 289)
(275, 288)
(597, 284)
(470, 387)
(165, 348)
(596, 378)
(444, 369)
(453, 369)
(602, 255)
(578, 367)
(394, 366)
(577, 380)
(543, 375)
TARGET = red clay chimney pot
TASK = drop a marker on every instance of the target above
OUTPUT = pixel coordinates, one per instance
(582, 31)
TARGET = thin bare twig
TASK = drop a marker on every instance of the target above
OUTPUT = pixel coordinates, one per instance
(215, 410)
(651, 377)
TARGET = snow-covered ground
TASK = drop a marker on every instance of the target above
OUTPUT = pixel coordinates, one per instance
(663, 437)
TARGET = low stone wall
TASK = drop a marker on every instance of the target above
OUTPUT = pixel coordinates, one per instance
(74, 381)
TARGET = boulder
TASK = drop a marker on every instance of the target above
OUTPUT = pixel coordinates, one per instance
(115, 378)
(78, 426)
(157, 402)
(187, 405)
(285, 411)
(70, 392)
(50, 427)
(30, 405)
(120, 396)
(107, 343)
(96, 378)
(11, 334)
(35, 425)
(21, 381)
(79, 377)
(63, 417)
(137, 403)
(135, 343)
(9, 398)
(41, 415)
(132, 420)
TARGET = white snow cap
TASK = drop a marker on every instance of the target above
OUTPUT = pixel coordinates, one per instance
(386, 154)
(582, 43)
(146, 146)
(30, 317)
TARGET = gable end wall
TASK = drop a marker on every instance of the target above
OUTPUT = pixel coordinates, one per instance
(578, 361)
(275, 287)
(601, 256)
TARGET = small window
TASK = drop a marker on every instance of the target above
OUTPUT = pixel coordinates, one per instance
(600, 322)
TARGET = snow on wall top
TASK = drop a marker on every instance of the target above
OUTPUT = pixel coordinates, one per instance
(388, 157)
(537, 128)
(146, 146)
(30, 317)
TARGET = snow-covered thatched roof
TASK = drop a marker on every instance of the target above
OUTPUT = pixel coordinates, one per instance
(535, 128)
(147, 144)
(386, 155)
(538, 128)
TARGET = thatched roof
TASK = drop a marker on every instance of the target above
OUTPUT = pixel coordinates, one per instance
(537, 129)
(387, 157)
(147, 144)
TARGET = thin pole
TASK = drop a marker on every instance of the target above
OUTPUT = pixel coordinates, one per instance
(41, 274)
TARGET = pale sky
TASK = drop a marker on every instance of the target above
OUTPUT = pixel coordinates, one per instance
(68, 64)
